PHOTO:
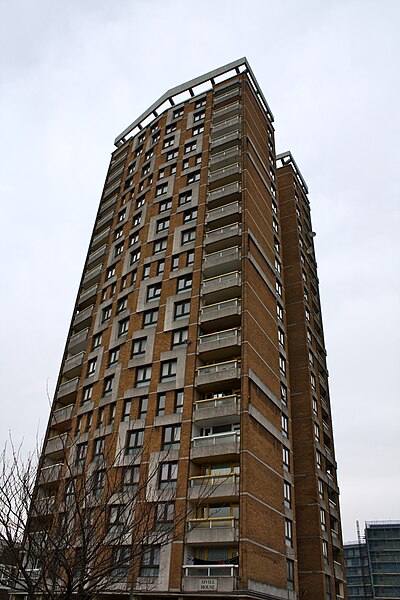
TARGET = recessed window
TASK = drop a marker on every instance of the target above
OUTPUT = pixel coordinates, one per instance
(110, 272)
(140, 201)
(318, 459)
(146, 271)
(197, 130)
(178, 113)
(172, 155)
(184, 283)
(282, 364)
(121, 215)
(136, 220)
(162, 224)
(106, 314)
(143, 403)
(278, 266)
(199, 116)
(161, 400)
(188, 236)
(126, 413)
(185, 198)
(87, 394)
(193, 177)
(178, 405)
(189, 258)
(160, 267)
(182, 309)
(123, 327)
(160, 245)
(135, 255)
(146, 169)
(191, 147)
(171, 437)
(287, 494)
(81, 452)
(281, 337)
(313, 381)
(179, 337)
(168, 370)
(155, 138)
(134, 441)
(149, 154)
(175, 263)
(161, 173)
(279, 311)
(275, 225)
(92, 366)
(113, 356)
(278, 287)
(285, 425)
(190, 215)
(122, 304)
(323, 519)
(185, 164)
(316, 432)
(139, 346)
(284, 393)
(133, 239)
(150, 561)
(288, 532)
(170, 128)
(154, 292)
(199, 103)
(161, 189)
(97, 339)
(168, 475)
(98, 447)
(164, 205)
(131, 478)
(290, 573)
(286, 458)
(119, 248)
(168, 142)
(108, 385)
(274, 207)
(150, 317)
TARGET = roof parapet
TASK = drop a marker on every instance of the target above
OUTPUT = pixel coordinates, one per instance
(286, 158)
(193, 88)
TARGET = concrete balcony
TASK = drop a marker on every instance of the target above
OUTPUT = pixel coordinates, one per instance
(209, 578)
(227, 97)
(96, 257)
(104, 221)
(227, 313)
(100, 238)
(222, 140)
(111, 188)
(73, 366)
(218, 445)
(50, 474)
(222, 287)
(216, 486)
(83, 318)
(77, 342)
(67, 391)
(43, 506)
(217, 409)
(62, 416)
(115, 173)
(224, 176)
(223, 195)
(93, 276)
(226, 126)
(230, 110)
(222, 261)
(224, 215)
(219, 345)
(108, 203)
(220, 374)
(56, 445)
(218, 530)
(224, 158)
(223, 237)
(87, 297)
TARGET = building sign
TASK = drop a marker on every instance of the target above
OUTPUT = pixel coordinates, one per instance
(207, 585)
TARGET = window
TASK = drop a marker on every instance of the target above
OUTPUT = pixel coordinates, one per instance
(199, 116)
(275, 225)
(81, 451)
(160, 267)
(178, 113)
(89, 417)
(281, 337)
(286, 458)
(123, 327)
(168, 142)
(165, 205)
(135, 255)
(111, 413)
(282, 364)
(139, 346)
(193, 177)
(153, 292)
(140, 201)
(320, 488)
(285, 426)
(161, 399)
(313, 381)
(110, 272)
(278, 287)
(190, 147)
(276, 245)
(199, 103)
(165, 515)
(168, 475)
(190, 215)
(106, 314)
(98, 447)
(100, 417)
(108, 385)
(288, 532)
(162, 224)
(172, 155)
(278, 266)
(146, 169)
(126, 413)
(150, 561)
(178, 405)
(171, 437)
(185, 164)
(143, 376)
(121, 216)
(155, 138)
(136, 220)
(170, 128)
(179, 337)
(189, 258)
(184, 283)
(119, 248)
(283, 393)
(279, 311)
(274, 207)
(160, 245)
(310, 357)
(131, 478)
(197, 130)
(92, 366)
(97, 340)
(307, 314)
(122, 304)
(87, 393)
(181, 309)
(287, 494)
(316, 432)
(146, 272)
(161, 189)
(323, 519)
(175, 263)
(150, 317)
(123, 282)
(116, 517)
(172, 169)
(168, 369)
(143, 402)
(197, 159)
(318, 459)
(99, 479)
(120, 562)
(134, 441)
(188, 236)
(290, 573)
(113, 356)
(185, 198)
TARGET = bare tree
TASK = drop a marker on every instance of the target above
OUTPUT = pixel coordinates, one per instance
(100, 526)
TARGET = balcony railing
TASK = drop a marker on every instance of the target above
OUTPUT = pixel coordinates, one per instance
(233, 399)
(218, 238)
(222, 342)
(213, 523)
(213, 480)
(216, 439)
(92, 276)
(87, 296)
(222, 287)
(227, 312)
(50, 474)
(223, 194)
(56, 444)
(221, 98)
(83, 317)
(227, 111)
(68, 388)
(96, 256)
(77, 342)
(226, 157)
(218, 263)
(230, 211)
(99, 238)
(226, 126)
(225, 141)
(224, 175)
(210, 570)
(72, 366)
(62, 414)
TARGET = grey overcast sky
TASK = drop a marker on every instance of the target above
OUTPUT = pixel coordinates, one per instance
(75, 74)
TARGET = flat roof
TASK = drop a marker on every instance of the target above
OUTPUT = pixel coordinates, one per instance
(190, 89)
